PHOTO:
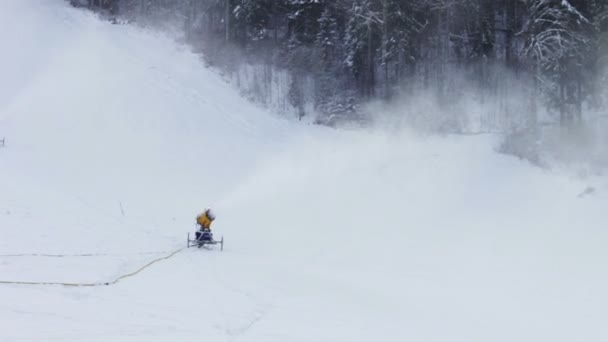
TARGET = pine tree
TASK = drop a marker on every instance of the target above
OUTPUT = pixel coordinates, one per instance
(361, 44)
(328, 45)
(599, 13)
(401, 27)
(252, 17)
(556, 41)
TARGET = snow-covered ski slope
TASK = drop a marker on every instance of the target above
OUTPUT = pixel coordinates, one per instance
(116, 137)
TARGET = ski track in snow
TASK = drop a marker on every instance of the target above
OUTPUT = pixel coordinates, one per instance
(118, 136)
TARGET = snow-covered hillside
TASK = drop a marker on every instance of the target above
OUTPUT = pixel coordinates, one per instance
(117, 137)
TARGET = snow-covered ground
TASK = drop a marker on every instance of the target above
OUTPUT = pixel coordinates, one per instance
(117, 137)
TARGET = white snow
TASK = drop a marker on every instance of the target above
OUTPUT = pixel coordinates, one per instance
(117, 137)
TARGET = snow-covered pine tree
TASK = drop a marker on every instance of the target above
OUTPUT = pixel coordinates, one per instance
(361, 43)
(556, 36)
(329, 50)
(252, 20)
(401, 23)
(599, 14)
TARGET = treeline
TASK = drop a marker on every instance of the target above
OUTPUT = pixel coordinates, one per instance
(339, 54)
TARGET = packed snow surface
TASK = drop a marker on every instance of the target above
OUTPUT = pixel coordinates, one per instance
(116, 137)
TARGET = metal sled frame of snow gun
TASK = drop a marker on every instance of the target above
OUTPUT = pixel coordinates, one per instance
(202, 243)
